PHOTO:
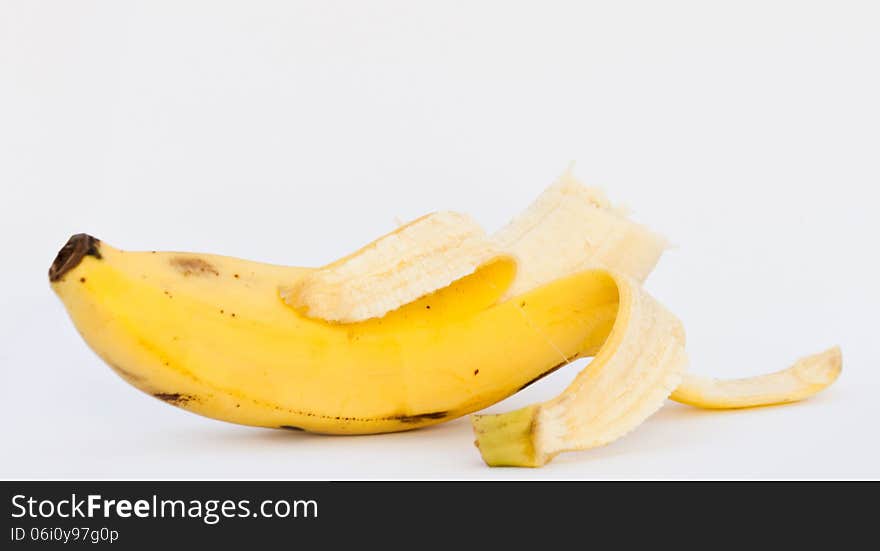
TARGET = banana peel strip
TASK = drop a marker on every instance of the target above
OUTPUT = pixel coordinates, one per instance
(415, 260)
(805, 378)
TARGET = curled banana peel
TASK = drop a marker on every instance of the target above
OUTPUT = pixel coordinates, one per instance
(418, 258)
(637, 367)
(532, 436)
(805, 378)
(431, 322)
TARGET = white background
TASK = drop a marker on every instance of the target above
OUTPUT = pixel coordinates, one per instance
(294, 132)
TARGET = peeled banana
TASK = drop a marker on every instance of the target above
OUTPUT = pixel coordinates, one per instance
(428, 323)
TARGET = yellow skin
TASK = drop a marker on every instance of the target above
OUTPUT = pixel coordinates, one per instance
(211, 334)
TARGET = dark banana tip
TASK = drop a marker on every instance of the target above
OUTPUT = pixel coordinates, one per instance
(72, 253)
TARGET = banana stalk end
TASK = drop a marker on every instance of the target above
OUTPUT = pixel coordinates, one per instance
(507, 439)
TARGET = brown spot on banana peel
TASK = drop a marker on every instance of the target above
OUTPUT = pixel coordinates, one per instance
(71, 254)
(419, 417)
(180, 400)
(560, 365)
(188, 265)
(175, 398)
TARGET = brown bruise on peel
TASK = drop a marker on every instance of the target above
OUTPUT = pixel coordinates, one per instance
(175, 398)
(185, 400)
(193, 266)
(182, 400)
(419, 417)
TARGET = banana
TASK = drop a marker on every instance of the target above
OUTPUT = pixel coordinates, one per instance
(428, 323)
(213, 335)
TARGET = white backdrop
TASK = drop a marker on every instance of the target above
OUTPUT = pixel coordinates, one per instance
(294, 132)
